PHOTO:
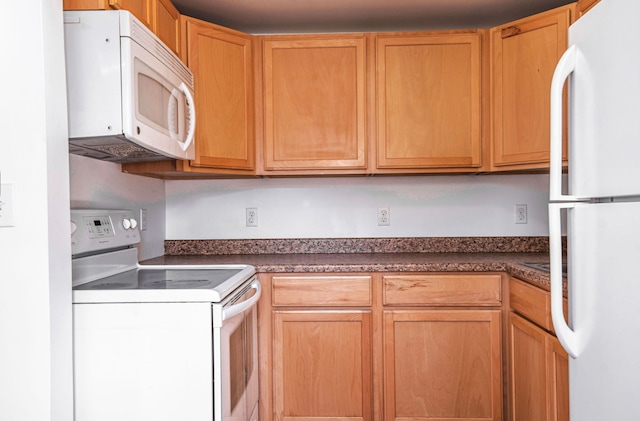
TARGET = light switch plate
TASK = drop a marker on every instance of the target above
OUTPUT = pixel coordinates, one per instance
(6, 205)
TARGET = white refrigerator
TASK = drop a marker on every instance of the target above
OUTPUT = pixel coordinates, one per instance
(601, 201)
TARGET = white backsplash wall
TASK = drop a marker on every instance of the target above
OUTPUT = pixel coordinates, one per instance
(97, 184)
(346, 207)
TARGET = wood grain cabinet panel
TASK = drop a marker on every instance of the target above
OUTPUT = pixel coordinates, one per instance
(442, 365)
(524, 57)
(322, 365)
(538, 365)
(583, 6)
(539, 373)
(557, 380)
(160, 16)
(166, 24)
(323, 291)
(222, 64)
(442, 289)
(528, 363)
(139, 8)
(314, 103)
(428, 90)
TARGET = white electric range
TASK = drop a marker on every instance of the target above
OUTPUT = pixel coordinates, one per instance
(158, 342)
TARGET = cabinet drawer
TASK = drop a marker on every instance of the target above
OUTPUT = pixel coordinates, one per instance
(322, 291)
(442, 289)
(532, 302)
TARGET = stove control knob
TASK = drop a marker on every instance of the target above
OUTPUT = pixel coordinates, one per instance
(74, 227)
(126, 224)
(134, 223)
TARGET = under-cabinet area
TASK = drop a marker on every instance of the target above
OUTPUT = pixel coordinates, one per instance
(373, 346)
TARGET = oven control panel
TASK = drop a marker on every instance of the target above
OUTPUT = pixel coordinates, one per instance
(95, 230)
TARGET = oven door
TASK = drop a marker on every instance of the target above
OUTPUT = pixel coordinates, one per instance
(157, 106)
(237, 383)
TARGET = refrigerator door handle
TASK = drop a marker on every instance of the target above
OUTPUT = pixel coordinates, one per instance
(565, 67)
(567, 337)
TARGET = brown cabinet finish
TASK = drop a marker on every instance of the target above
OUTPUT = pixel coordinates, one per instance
(442, 365)
(166, 24)
(538, 365)
(314, 103)
(442, 289)
(139, 8)
(322, 365)
(528, 362)
(524, 56)
(312, 291)
(428, 93)
(222, 64)
(160, 16)
(321, 347)
(583, 6)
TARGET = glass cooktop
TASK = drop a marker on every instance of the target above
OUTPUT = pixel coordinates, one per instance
(163, 279)
(165, 284)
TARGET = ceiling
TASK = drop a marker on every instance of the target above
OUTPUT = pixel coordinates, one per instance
(308, 16)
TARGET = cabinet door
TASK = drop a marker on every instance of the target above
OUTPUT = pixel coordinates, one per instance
(221, 62)
(166, 24)
(539, 370)
(322, 365)
(557, 380)
(524, 56)
(314, 103)
(527, 363)
(428, 101)
(139, 8)
(442, 365)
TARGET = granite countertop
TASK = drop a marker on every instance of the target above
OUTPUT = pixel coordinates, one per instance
(483, 254)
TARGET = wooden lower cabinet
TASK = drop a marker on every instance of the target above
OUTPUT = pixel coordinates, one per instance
(322, 365)
(393, 346)
(539, 373)
(442, 365)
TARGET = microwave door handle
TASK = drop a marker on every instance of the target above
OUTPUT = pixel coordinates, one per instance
(192, 118)
(236, 309)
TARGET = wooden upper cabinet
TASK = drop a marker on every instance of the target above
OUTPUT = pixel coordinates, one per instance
(583, 6)
(139, 8)
(166, 24)
(160, 16)
(524, 57)
(222, 64)
(428, 92)
(314, 103)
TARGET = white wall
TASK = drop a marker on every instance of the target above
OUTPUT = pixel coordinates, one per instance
(35, 262)
(98, 184)
(420, 206)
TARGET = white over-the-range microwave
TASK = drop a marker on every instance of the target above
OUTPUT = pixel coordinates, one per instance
(130, 98)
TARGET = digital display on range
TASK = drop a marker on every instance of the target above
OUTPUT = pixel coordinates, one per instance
(97, 227)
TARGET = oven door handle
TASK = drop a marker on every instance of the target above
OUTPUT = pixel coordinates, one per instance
(236, 309)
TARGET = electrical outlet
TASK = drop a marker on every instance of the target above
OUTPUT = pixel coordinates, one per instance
(6, 205)
(384, 218)
(521, 214)
(252, 217)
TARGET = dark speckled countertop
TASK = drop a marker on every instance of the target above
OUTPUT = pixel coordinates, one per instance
(451, 254)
